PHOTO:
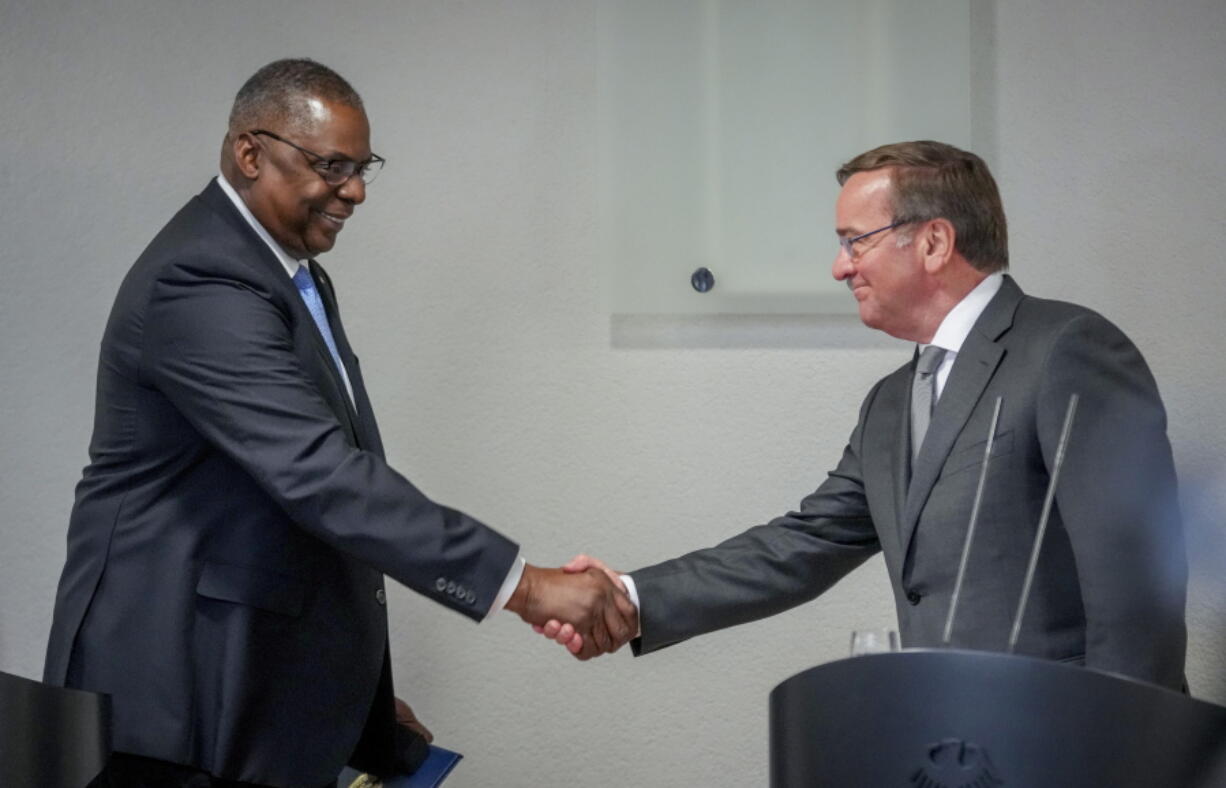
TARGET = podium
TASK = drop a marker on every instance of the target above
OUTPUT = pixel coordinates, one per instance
(51, 737)
(966, 719)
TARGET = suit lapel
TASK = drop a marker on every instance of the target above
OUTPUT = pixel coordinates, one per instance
(346, 412)
(340, 396)
(973, 368)
(899, 436)
(217, 200)
(359, 409)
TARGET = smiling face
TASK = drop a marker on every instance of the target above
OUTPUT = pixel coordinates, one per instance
(287, 195)
(888, 280)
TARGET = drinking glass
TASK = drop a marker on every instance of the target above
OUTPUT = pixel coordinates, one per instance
(873, 641)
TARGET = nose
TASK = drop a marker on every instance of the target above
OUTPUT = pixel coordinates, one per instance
(353, 190)
(844, 267)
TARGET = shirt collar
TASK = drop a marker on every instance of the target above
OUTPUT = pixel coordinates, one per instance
(287, 260)
(957, 325)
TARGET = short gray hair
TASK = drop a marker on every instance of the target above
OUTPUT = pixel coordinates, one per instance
(279, 92)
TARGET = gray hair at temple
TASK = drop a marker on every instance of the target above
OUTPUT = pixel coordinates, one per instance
(932, 180)
(279, 94)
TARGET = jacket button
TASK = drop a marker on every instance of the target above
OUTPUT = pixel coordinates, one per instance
(441, 583)
(451, 587)
(459, 591)
(913, 597)
(471, 596)
(381, 597)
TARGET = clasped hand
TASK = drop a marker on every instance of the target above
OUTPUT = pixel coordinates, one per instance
(586, 604)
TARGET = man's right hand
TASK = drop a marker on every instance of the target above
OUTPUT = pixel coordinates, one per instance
(566, 634)
(602, 617)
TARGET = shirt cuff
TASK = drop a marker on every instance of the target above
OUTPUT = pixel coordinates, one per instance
(508, 586)
(632, 591)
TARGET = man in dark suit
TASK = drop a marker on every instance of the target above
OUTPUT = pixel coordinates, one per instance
(227, 546)
(922, 248)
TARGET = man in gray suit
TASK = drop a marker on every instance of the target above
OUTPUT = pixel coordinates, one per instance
(922, 248)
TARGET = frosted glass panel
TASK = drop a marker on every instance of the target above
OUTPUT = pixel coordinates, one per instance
(721, 125)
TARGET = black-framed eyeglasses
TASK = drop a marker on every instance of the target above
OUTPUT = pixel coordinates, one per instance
(333, 171)
(848, 243)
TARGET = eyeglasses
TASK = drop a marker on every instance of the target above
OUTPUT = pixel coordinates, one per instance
(848, 243)
(333, 171)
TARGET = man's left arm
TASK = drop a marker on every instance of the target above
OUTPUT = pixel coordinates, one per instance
(1117, 498)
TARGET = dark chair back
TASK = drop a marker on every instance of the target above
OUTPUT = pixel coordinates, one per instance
(51, 737)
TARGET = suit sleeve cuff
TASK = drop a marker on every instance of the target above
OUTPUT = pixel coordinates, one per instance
(508, 586)
(632, 591)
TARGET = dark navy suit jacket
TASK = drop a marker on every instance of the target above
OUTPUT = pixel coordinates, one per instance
(227, 546)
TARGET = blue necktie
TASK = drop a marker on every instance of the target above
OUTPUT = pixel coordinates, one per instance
(306, 287)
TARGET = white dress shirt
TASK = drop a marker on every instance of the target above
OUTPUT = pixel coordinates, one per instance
(957, 325)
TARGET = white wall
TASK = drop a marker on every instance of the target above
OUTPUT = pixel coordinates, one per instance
(471, 287)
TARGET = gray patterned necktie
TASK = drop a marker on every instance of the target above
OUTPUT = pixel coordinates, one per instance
(923, 395)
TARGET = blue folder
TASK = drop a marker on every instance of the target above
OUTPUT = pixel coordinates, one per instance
(433, 771)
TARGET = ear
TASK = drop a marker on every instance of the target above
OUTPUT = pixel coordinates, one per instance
(247, 154)
(936, 243)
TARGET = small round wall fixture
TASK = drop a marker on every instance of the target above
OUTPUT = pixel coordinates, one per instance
(702, 279)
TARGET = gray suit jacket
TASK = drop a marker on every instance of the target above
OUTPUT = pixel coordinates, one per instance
(1111, 581)
(226, 552)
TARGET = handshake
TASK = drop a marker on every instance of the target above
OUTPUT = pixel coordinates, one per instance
(582, 605)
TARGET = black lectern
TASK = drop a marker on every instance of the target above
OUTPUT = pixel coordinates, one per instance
(51, 736)
(964, 719)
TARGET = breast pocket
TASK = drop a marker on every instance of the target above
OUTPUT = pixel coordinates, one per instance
(262, 589)
(971, 457)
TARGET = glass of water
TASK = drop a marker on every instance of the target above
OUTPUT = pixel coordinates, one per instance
(873, 641)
